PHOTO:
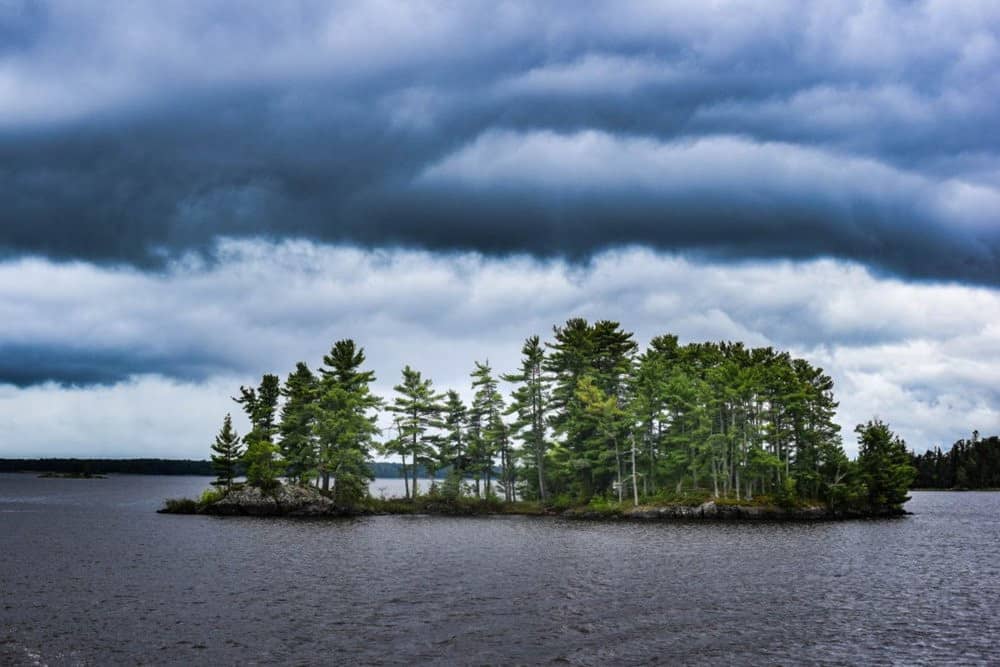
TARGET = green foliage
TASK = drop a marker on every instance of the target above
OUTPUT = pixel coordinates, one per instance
(563, 501)
(972, 463)
(606, 506)
(452, 486)
(418, 410)
(488, 436)
(529, 405)
(786, 495)
(297, 425)
(883, 466)
(344, 428)
(209, 496)
(226, 453)
(263, 466)
(260, 404)
(452, 443)
(180, 506)
(589, 418)
(586, 418)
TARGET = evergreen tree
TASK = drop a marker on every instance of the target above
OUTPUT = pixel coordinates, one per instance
(603, 352)
(603, 417)
(418, 409)
(590, 416)
(345, 422)
(971, 464)
(262, 463)
(296, 427)
(226, 454)
(648, 412)
(488, 434)
(452, 446)
(529, 404)
(884, 466)
(264, 466)
(260, 404)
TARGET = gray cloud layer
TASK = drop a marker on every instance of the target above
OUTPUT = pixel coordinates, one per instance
(860, 130)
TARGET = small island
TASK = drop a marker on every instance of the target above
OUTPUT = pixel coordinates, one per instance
(70, 475)
(591, 428)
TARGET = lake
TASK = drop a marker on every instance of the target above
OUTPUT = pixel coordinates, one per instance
(91, 575)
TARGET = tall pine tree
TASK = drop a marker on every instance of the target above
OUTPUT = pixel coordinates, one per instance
(417, 408)
(345, 422)
(529, 405)
(226, 453)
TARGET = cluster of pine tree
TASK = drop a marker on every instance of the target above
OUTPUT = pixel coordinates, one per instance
(325, 429)
(586, 415)
(969, 464)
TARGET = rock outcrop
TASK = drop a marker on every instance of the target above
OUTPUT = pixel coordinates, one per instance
(714, 512)
(284, 500)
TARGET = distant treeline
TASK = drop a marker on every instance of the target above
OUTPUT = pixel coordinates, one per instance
(158, 467)
(394, 470)
(103, 466)
(969, 464)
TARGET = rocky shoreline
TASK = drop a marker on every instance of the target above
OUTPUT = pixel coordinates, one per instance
(713, 511)
(296, 501)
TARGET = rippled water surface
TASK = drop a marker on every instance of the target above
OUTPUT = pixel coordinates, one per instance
(89, 574)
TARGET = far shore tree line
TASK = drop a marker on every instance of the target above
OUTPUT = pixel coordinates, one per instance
(968, 464)
(585, 415)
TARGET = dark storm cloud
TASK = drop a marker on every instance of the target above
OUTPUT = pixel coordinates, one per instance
(865, 131)
(25, 365)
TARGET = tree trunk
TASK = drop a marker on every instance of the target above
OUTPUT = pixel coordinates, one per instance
(539, 463)
(715, 476)
(414, 458)
(618, 461)
(505, 474)
(635, 477)
(406, 478)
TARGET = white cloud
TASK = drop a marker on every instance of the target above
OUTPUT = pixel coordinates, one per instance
(693, 166)
(924, 357)
(146, 417)
(593, 74)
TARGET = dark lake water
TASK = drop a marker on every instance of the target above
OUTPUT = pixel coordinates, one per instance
(89, 574)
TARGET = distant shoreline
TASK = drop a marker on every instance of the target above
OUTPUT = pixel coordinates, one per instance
(140, 466)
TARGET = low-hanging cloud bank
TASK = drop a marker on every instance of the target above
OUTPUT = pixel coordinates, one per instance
(867, 131)
(92, 356)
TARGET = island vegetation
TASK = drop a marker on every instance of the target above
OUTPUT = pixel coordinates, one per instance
(586, 423)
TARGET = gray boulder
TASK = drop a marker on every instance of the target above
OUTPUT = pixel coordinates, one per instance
(284, 500)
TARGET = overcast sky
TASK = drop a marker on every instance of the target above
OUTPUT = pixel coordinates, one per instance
(197, 193)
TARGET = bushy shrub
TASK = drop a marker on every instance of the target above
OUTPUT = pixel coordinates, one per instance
(604, 505)
(786, 495)
(209, 496)
(180, 506)
(563, 501)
